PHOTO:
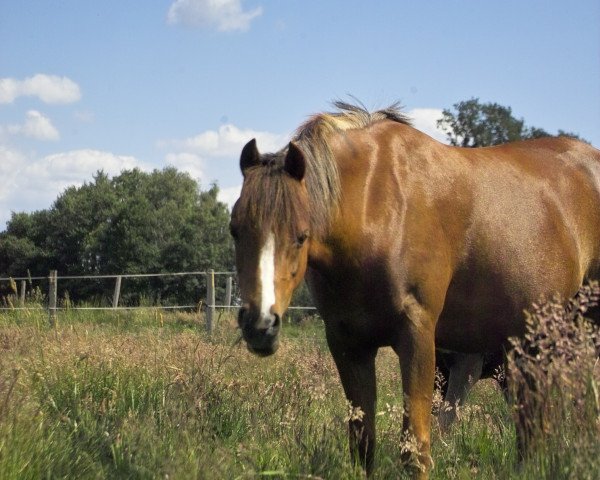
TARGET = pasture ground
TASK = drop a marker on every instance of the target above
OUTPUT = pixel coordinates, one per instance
(145, 394)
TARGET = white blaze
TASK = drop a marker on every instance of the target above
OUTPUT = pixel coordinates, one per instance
(266, 266)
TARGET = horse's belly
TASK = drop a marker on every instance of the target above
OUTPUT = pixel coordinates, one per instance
(486, 298)
(479, 317)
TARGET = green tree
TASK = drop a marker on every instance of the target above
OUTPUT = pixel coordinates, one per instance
(475, 124)
(136, 222)
(24, 243)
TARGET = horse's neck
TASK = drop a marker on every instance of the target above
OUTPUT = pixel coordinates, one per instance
(320, 255)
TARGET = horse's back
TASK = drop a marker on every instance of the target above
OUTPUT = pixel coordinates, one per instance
(534, 231)
(549, 188)
(477, 235)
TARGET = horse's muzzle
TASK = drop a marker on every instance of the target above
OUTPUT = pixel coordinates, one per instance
(261, 333)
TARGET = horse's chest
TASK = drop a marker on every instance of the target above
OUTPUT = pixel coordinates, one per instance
(356, 308)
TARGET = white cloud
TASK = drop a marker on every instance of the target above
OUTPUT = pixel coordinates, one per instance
(9, 90)
(11, 162)
(76, 167)
(229, 195)
(48, 88)
(425, 119)
(36, 126)
(224, 15)
(203, 151)
(28, 184)
(187, 162)
(228, 141)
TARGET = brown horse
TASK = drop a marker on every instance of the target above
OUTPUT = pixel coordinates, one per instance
(409, 243)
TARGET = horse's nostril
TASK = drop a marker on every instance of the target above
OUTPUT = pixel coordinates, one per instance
(252, 322)
(260, 332)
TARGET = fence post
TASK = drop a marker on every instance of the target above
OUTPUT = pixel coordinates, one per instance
(22, 293)
(52, 294)
(228, 292)
(117, 293)
(210, 300)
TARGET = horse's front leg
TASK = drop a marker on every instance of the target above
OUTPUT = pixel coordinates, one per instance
(416, 350)
(356, 368)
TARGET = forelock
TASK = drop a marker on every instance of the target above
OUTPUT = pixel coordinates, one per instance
(271, 199)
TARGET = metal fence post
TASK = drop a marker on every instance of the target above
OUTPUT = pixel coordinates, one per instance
(52, 294)
(210, 300)
(117, 292)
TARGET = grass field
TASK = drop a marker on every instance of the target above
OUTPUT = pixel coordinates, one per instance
(144, 394)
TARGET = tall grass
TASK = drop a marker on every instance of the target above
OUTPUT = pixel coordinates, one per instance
(149, 395)
(554, 375)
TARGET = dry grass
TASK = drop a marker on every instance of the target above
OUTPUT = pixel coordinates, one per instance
(554, 374)
(150, 395)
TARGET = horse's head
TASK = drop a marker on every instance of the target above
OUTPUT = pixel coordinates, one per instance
(270, 227)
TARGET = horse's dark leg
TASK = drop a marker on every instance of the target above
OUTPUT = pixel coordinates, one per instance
(357, 373)
(527, 404)
(416, 350)
(464, 372)
(443, 363)
(593, 313)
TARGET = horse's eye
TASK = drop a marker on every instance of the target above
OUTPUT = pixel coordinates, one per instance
(302, 238)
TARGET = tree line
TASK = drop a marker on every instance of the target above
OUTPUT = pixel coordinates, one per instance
(162, 221)
(471, 123)
(135, 222)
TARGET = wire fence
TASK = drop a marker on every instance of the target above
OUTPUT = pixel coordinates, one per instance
(205, 302)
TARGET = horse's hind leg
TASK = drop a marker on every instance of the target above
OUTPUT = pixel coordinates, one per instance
(593, 313)
(463, 372)
(356, 368)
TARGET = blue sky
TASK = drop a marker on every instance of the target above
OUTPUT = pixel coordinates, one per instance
(88, 85)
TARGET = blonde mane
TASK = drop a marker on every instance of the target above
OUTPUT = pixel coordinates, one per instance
(322, 176)
(272, 197)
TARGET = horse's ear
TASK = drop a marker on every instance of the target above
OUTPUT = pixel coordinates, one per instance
(250, 156)
(295, 163)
